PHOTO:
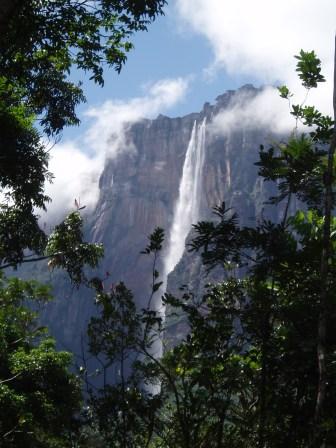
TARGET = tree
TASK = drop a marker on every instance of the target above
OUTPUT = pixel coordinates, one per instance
(40, 43)
(184, 398)
(39, 397)
(124, 407)
(121, 408)
(290, 292)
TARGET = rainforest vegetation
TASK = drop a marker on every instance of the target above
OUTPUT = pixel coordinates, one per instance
(257, 364)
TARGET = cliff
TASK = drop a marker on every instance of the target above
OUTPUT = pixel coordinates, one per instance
(139, 190)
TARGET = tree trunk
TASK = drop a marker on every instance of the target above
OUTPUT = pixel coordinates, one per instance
(7, 11)
(325, 257)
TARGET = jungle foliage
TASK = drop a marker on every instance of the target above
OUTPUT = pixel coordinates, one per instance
(256, 367)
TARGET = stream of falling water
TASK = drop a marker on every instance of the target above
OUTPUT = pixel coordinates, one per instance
(186, 213)
(187, 207)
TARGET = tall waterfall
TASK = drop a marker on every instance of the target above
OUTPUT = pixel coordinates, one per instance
(187, 207)
(186, 213)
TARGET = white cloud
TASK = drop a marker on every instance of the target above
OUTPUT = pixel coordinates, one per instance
(78, 164)
(263, 111)
(76, 176)
(107, 131)
(259, 38)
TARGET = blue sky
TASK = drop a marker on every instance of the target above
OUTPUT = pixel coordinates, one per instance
(166, 50)
(199, 49)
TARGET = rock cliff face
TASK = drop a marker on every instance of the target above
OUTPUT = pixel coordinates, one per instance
(139, 190)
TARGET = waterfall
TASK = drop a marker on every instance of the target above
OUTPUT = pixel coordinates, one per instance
(187, 207)
(186, 213)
